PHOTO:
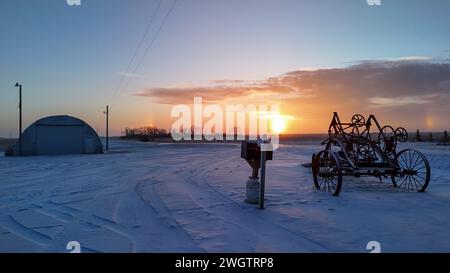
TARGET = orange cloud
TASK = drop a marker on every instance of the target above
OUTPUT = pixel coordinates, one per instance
(403, 91)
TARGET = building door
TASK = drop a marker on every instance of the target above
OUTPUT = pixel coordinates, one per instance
(53, 140)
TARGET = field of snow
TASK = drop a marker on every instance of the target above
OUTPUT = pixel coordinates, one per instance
(146, 197)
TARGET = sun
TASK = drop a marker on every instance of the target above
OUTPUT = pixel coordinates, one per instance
(278, 124)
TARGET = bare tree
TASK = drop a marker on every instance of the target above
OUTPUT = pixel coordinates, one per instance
(418, 136)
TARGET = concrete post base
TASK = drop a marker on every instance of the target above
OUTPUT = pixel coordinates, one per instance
(252, 191)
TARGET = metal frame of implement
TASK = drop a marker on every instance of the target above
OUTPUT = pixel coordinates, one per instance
(363, 147)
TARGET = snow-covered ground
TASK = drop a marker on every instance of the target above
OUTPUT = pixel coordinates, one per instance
(145, 197)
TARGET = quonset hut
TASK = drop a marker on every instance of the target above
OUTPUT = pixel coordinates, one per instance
(56, 135)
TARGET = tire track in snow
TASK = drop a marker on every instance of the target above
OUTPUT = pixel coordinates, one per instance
(80, 220)
(9, 223)
(201, 173)
(232, 217)
(147, 193)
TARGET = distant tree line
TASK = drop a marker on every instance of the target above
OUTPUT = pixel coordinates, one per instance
(146, 133)
(444, 139)
(150, 133)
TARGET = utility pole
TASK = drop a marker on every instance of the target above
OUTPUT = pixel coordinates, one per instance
(107, 127)
(20, 117)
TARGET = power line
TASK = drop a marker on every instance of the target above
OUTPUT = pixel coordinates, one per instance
(150, 23)
(151, 43)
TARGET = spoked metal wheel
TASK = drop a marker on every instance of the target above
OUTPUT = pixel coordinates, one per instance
(387, 140)
(358, 120)
(352, 144)
(327, 172)
(415, 171)
(401, 134)
(366, 152)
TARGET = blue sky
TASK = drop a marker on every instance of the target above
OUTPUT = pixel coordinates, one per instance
(69, 58)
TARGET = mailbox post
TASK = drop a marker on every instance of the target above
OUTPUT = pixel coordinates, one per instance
(255, 156)
(263, 180)
(266, 154)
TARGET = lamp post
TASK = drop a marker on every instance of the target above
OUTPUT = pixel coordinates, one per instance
(106, 112)
(20, 117)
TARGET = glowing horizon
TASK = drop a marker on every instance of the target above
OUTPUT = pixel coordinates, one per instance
(383, 60)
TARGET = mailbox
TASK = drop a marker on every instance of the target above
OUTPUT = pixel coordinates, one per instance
(251, 151)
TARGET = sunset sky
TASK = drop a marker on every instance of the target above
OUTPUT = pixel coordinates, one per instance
(313, 57)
